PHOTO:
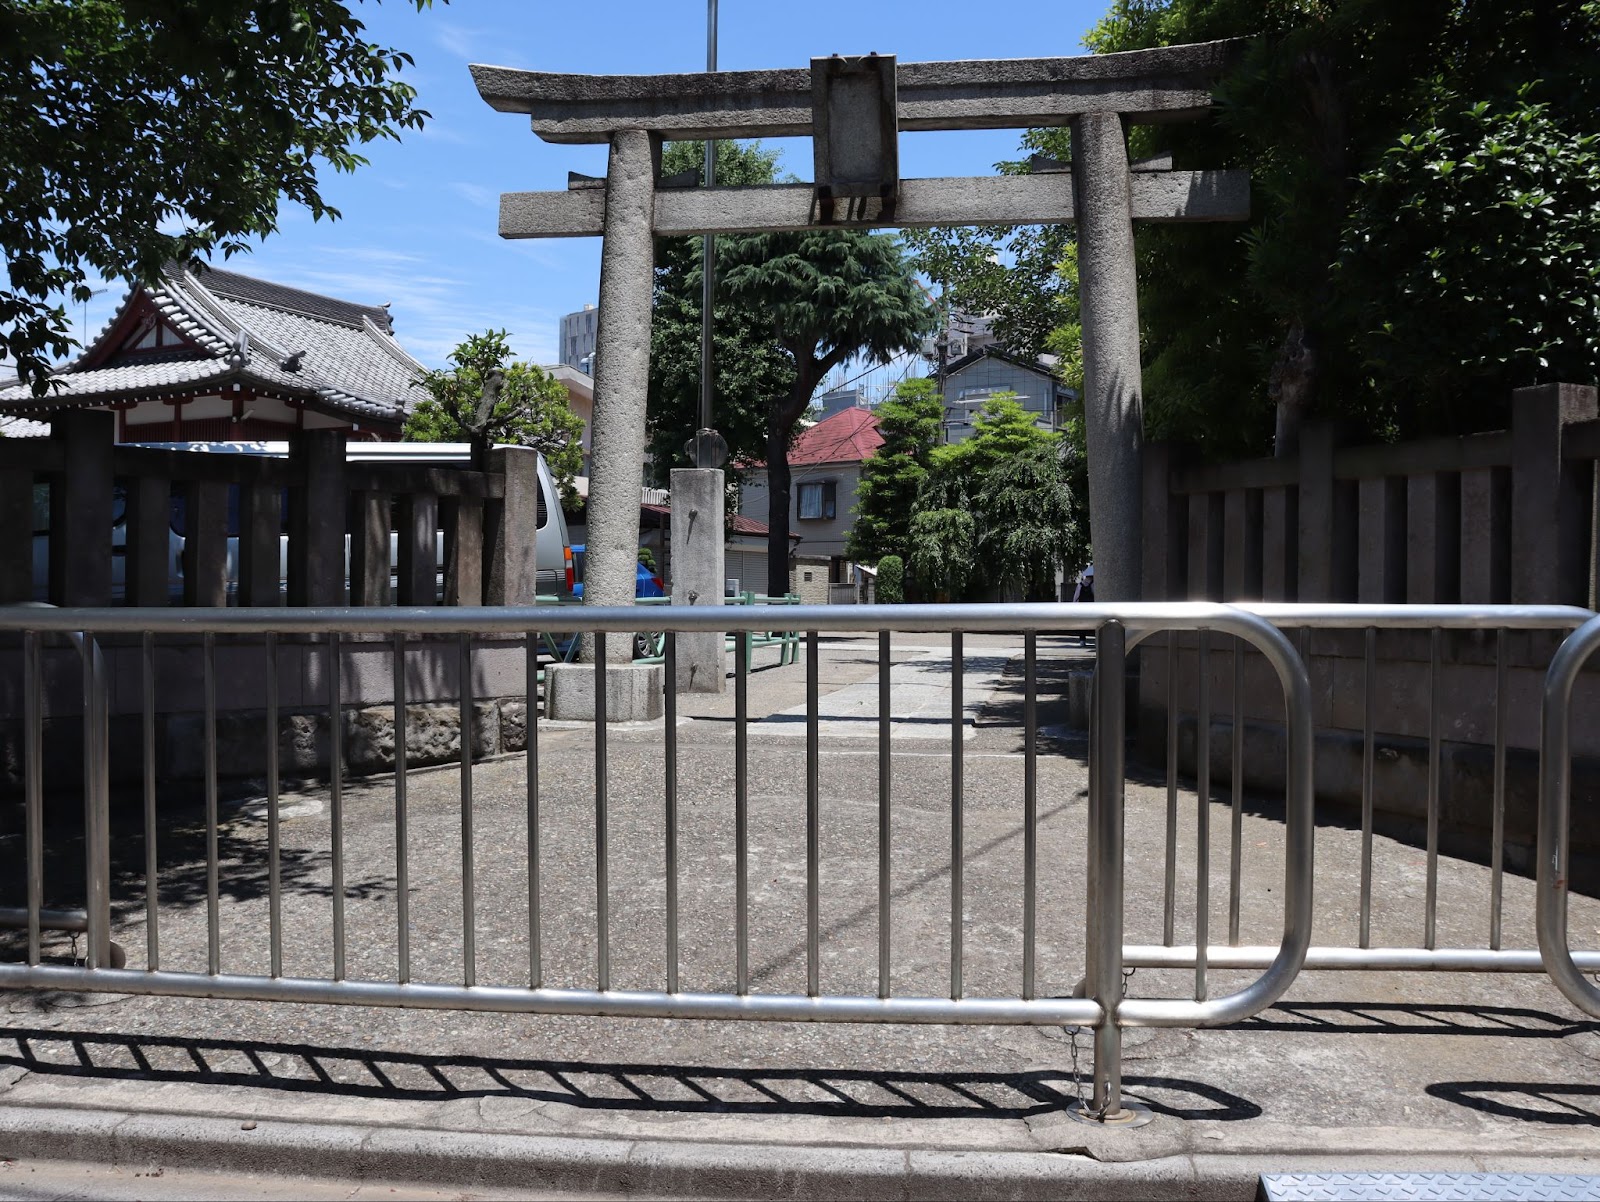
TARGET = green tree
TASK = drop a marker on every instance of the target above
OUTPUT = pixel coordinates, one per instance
(1337, 109)
(1023, 492)
(1034, 520)
(910, 424)
(830, 296)
(526, 407)
(1374, 281)
(1452, 314)
(943, 545)
(1001, 432)
(1024, 278)
(121, 121)
(749, 367)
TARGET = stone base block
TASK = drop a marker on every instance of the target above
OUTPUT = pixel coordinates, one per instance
(633, 692)
(1080, 698)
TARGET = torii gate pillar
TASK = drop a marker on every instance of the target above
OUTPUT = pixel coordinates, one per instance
(1113, 394)
(621, 380)
(621, 384)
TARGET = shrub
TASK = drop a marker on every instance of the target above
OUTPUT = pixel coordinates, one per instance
(891, 580)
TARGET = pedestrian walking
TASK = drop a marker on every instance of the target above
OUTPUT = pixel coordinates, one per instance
(1085, 593)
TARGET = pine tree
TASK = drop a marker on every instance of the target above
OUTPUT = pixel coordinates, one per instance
(530, 410)
(830, 296)
(749, 368)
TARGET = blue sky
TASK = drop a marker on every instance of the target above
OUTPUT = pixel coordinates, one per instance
(419, 222)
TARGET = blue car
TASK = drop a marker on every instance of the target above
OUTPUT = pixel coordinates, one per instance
(645, 582)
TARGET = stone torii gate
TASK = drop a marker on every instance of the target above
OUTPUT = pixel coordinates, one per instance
(854, 109)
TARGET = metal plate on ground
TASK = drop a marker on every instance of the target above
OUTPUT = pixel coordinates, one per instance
(1429, 1187)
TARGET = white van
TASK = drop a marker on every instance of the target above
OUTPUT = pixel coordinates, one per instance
(552, 540)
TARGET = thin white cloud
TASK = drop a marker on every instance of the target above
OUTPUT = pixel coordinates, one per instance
(476, 194)
(433, 310)
(440, 130)
(461, 41)
(534, 249)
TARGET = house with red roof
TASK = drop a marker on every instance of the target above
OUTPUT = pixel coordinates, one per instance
(825, 467)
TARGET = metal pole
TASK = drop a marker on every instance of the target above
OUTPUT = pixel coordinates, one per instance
(213, 903)
(708, 267)
(1106, 853)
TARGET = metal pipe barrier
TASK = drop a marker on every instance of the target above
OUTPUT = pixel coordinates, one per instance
(1105, 1009)
(1503, 620)
(94, 920)
(1555, 800)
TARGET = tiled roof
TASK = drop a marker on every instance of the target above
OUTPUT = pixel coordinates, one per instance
(21, 427)
(245, 331)
(849, 436)
(252, 291)
(737, 522)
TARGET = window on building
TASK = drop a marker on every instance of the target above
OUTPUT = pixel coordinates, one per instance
(818, 500)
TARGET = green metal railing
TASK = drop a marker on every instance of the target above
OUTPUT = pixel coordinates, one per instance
(563, 647)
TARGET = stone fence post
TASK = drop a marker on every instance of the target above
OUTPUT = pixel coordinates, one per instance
(1549, 496)
(317, 510)
(511, 529)
(80, 508)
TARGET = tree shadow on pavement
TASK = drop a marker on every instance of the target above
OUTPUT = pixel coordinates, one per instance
(408, 1076)
(181, 841)
(1006, 706)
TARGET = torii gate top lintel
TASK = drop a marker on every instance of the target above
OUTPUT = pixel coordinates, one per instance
(1145, 86)
(854, 109)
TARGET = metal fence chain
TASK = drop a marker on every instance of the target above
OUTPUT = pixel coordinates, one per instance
(1077, 1077)
(1072, 1047)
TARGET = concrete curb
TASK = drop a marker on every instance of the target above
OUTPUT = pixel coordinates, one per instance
(651, 1168)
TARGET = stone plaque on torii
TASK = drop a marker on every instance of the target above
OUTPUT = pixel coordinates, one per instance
(854, 109)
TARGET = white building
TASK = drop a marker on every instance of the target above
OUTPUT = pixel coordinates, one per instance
(974, 379)
(577, 338)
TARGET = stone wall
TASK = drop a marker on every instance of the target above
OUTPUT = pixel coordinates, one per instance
(433, 721)
(1401, 700)
(813, 591)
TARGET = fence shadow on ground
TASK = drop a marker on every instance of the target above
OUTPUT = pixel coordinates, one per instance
(1565, 1104)
(659, 1088)
(1401, 1018)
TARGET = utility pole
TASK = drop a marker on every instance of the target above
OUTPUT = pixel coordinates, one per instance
(941, 345)
(699, 493)
(709, 448)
